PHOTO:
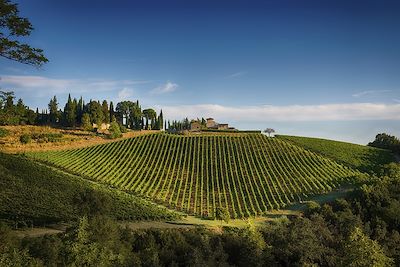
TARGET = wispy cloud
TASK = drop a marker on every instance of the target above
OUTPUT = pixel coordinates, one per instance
(168, 87)
(236, 74)
(35, 82)
(125, 94)
(370, 93)
(328, 112)
(56, 86)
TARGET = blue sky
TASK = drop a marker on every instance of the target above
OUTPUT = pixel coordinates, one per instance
(319, 68)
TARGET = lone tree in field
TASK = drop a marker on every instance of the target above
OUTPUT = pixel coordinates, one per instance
(269, 131)
(12, 28)
(222, 214)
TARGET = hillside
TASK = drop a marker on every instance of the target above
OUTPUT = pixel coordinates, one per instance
(45, 138)
(363, 158)
(31, 193)
(248, 174)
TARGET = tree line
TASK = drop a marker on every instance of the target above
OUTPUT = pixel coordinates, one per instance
(77, 113)
(386, 141)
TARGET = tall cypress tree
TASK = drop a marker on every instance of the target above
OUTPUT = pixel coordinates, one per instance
(106, 112)
(160, 120)
(79, 110)
(112, 112)
(70, 112)
(53, 111)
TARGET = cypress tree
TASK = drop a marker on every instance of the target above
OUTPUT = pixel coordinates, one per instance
(106, 112)
(112, 113)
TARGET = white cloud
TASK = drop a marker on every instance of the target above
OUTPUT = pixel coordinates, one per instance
(59, 86)
(370, 93)
(125, 94)
(168, 87)
(35, 82)
(327, 112)
(236, 74)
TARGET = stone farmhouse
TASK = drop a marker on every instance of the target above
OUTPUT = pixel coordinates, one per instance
(210, 124)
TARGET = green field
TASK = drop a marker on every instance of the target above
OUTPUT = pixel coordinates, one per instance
(363, 158)
(35, 194)
(247, 174)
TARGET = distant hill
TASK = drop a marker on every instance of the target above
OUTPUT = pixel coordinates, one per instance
(35, 194)
(363, 158)
(248, 174)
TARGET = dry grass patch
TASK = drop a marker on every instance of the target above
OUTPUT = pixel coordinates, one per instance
(71, 138)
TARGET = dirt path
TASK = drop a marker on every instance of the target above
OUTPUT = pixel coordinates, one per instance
(40, 231)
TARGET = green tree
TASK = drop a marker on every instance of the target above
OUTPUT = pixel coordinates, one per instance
(106, 112)
(53, 110)
(86, 123)
(222, 214)
(115, 130)
(70, 112)
(362, 251)
(13, 28)
(79, 110)
(150, 115)
(112, 111)
(161, 120)
(96, 112)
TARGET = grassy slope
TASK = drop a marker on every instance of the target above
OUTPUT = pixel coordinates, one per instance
(71, 138)
(249, 174)
(363, 158)
(34, 193)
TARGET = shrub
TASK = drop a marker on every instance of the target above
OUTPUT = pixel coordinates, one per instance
(115, 131)
(86, 124)
(123, 129)
(3, 132)
(25, 138)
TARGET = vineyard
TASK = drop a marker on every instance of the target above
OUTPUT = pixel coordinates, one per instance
(363, 158)
(247, 174)
(31, 193)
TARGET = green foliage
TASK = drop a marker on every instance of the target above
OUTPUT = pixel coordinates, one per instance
(363, 158)
(4, 132)
(115, 131)
(131, 112)
(54, 114)
(106, 112)
(363, 252)
(11, 114)
(386, 141)
(96, 112)
(47, 137)
(25, 138)
(123, 129)
(86, 123)
(13, 27)
(222, 214)
(70, 110)
(249, 174)
(31, 193)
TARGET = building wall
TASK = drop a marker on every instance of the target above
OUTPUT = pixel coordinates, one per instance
(210, 123)
(194, 126)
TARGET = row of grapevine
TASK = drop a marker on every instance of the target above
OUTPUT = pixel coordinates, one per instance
(247, 174)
